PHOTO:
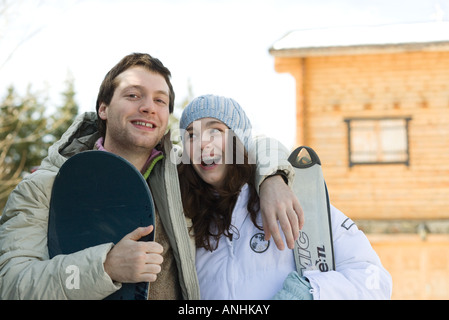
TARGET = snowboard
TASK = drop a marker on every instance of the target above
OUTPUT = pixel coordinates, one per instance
(314, 248)
(99, 197)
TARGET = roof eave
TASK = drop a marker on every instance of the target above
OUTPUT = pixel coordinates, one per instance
(359, 49)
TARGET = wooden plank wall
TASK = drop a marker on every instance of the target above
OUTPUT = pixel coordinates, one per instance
(414, 84)
(419, 269)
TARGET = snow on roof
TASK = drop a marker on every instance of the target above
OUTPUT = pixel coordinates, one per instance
(313, 41)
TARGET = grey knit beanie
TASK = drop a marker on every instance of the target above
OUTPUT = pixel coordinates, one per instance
(224, 109)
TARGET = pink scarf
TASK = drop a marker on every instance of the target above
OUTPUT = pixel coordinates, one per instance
(154, 154)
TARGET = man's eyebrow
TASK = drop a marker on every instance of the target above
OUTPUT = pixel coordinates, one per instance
(133, 86)
(142, 88)
(163, 92)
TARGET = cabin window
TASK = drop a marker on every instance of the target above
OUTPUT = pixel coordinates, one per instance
(378, 141)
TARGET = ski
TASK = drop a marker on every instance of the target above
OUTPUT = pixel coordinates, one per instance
(314, 247)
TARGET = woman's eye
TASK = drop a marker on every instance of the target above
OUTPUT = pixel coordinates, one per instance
(215, 131)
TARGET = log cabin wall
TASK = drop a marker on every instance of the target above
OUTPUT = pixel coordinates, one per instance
(398, 101)
(332, 91)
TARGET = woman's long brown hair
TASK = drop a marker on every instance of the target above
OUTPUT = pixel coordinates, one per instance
(211, 209)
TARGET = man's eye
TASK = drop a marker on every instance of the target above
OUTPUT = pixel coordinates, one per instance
(161, 101)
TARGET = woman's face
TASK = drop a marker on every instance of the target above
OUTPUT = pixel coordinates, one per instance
(205, 143)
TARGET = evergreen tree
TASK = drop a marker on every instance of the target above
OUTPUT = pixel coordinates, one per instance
(65, 114)
(24, 128)
(26, 133)
(173, 121)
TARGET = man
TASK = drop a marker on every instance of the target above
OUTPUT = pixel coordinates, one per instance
(133, 106)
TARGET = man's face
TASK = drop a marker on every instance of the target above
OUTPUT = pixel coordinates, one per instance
(137, 117)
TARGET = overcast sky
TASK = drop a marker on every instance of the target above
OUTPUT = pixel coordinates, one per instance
(221, 47)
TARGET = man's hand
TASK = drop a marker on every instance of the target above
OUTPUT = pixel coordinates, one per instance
(278, 202)
(132, 261)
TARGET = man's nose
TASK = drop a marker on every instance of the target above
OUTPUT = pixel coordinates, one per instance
(148, 106)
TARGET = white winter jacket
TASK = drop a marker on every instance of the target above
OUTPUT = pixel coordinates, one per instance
(250, 268)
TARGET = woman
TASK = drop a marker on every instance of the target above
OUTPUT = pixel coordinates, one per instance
(233, 260)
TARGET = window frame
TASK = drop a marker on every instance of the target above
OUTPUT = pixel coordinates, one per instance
(350, 120)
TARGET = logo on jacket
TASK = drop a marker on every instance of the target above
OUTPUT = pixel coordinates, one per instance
(347, 224)
(258, 243)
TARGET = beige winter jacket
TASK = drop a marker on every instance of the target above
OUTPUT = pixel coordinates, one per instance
(26, 272)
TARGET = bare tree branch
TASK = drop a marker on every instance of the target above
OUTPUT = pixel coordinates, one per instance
(7, 10)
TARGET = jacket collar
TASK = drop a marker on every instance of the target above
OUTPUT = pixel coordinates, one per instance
(154, 157)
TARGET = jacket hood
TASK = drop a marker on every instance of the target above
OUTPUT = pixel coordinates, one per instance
(80, 136)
